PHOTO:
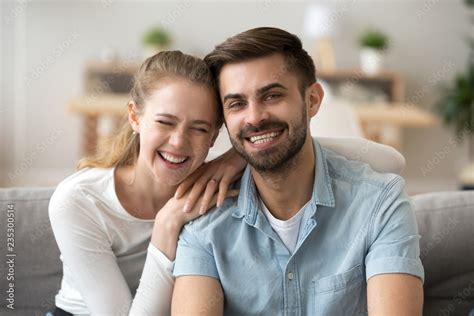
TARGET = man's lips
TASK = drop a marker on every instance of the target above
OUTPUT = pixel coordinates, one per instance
(263, 137)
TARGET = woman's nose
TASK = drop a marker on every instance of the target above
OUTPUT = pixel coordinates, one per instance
(178, 138)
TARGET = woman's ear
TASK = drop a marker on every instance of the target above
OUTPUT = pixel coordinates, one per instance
(133, 117)
(315, 94)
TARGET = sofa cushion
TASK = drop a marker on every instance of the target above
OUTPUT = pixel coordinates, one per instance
(446, 225)
(35, 266)
(445, 221)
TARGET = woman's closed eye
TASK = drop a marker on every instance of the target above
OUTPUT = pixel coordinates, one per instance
(200, 130)
(165, 122)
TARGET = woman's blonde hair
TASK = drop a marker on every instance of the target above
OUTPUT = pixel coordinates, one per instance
(123, 149)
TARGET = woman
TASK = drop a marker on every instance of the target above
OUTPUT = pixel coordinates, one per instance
(103, 215)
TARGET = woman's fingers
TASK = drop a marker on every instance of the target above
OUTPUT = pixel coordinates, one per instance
(197, 190)
(209, 195)
(223, 187)
(213, 201)
(227, 179)
(187, 184)
(199, 177)
(233, 193)
(210, 202)
(237, 176)
(217, 174)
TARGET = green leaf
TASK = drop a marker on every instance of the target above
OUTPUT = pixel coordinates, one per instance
(456, 103)
(373, 39)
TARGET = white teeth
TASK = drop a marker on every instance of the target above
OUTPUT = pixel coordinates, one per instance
(260, 139)
(173, 159)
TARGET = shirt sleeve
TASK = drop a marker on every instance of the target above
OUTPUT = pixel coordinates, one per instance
(154, 293)
(194, 255)
(86, 250)
(393, 240)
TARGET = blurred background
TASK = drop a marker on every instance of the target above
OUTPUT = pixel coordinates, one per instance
(394, 71)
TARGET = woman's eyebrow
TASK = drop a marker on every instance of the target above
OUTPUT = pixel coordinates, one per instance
(167, 115)
(201, 122)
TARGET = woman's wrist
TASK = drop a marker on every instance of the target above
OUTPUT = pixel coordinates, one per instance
(169, 224)
(165, 236)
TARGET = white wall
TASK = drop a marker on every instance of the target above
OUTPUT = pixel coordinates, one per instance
(45, 45)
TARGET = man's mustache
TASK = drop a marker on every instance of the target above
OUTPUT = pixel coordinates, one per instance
(267, 125)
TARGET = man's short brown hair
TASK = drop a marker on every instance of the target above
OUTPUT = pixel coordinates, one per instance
(262, 42)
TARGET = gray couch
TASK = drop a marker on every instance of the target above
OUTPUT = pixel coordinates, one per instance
(445, 220)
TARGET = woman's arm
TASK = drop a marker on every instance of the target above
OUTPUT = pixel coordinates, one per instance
(153, 296)
(154, 293)
(87, 253)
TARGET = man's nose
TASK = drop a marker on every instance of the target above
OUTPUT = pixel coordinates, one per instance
(257, 113)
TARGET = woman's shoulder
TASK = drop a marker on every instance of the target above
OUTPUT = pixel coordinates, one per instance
(76, 188)
(87, 177)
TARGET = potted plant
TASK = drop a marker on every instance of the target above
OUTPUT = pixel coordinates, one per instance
(156, 40)
(373, 43)
(456, 107)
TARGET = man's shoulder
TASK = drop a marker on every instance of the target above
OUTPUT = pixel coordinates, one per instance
(358, 173)
(217, 218)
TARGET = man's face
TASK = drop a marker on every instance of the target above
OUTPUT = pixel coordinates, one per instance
(264, 111)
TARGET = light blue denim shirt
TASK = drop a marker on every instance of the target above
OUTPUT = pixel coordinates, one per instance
(358, 224)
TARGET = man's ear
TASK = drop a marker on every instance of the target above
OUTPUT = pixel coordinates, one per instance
(133, 117)
(314, 97)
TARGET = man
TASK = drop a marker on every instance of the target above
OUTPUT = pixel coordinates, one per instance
(311, 232)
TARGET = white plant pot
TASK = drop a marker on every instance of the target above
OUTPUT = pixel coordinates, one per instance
(371, 60)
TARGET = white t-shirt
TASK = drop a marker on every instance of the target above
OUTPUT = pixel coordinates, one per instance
(288, 230)
(103, 249)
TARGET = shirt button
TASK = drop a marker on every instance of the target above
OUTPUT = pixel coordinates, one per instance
(290, 276)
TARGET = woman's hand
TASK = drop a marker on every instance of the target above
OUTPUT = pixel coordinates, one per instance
(217, 174)
(171, 218)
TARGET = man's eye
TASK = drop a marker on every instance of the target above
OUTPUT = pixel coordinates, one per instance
(272, 96)
(236, 104)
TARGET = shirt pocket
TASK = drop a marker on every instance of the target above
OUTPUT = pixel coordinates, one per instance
(340, 294)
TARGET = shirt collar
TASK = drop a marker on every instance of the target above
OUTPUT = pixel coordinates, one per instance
(248, 203)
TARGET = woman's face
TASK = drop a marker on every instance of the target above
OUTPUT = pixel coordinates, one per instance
(177, 128)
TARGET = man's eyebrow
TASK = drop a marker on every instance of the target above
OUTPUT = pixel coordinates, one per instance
(194, 122)
(233, 96)
(262, 90)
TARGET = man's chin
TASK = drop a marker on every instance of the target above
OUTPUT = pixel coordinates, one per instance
(264, 164)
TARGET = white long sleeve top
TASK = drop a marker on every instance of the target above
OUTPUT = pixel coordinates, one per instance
(105, 250)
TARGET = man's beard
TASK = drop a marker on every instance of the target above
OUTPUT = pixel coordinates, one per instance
(279, 157)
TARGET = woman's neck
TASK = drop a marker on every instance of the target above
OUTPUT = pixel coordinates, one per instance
(139, 192)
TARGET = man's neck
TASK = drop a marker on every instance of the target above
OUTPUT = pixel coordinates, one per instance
(285, 192)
